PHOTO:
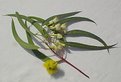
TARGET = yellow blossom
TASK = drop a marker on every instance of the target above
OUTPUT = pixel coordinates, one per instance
(51, 66)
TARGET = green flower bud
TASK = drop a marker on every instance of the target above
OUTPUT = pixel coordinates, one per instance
(59, 47)
(63, 26)
(50, 22)
(59, 44)
(57, 26)
(55, 19)
(65, 31)
(59, 36)
(54, 47)
(52, 27)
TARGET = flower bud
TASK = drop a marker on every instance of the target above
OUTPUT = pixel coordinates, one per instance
(57, 26)
(54, 47)
(55, 19)
(50, 22)
(59, 36)
(63, 26)
(65, 31)
(52, 27)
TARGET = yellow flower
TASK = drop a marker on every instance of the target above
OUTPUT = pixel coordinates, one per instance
(51, 66)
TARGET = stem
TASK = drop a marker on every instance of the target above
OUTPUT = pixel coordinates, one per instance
(68, 62)
(64, 59)
(61, 57)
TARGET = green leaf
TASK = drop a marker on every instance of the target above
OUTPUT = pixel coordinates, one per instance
(87, 47)
(38, 19)
(37, 26)
(20, 41)
(85, 34)
(37, 53)
(72, 20)
(60, 16)
(22, 23)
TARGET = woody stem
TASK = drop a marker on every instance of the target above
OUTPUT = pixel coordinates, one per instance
(64, 59)
(67, 62)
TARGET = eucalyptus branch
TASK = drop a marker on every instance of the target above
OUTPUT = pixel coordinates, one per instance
(68, 62)
(64, 59)
(54, 31)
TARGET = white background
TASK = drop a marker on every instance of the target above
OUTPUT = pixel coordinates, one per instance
(17, 65)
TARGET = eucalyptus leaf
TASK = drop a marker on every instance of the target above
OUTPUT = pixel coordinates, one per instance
(37, 26)
(72, 20)
(60, 16)
(54, 32)
(23, 24)
(87, 47)
(20, 41)
(37, 19)
(37, 53)
(76, 33)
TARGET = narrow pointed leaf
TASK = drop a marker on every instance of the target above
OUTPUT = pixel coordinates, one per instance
(85, 34)
(87, 47)
(60, 16)
(37, 26)
(72, 20)
(38, 19)
(22, 23)
(20, 41)
(37, 53)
